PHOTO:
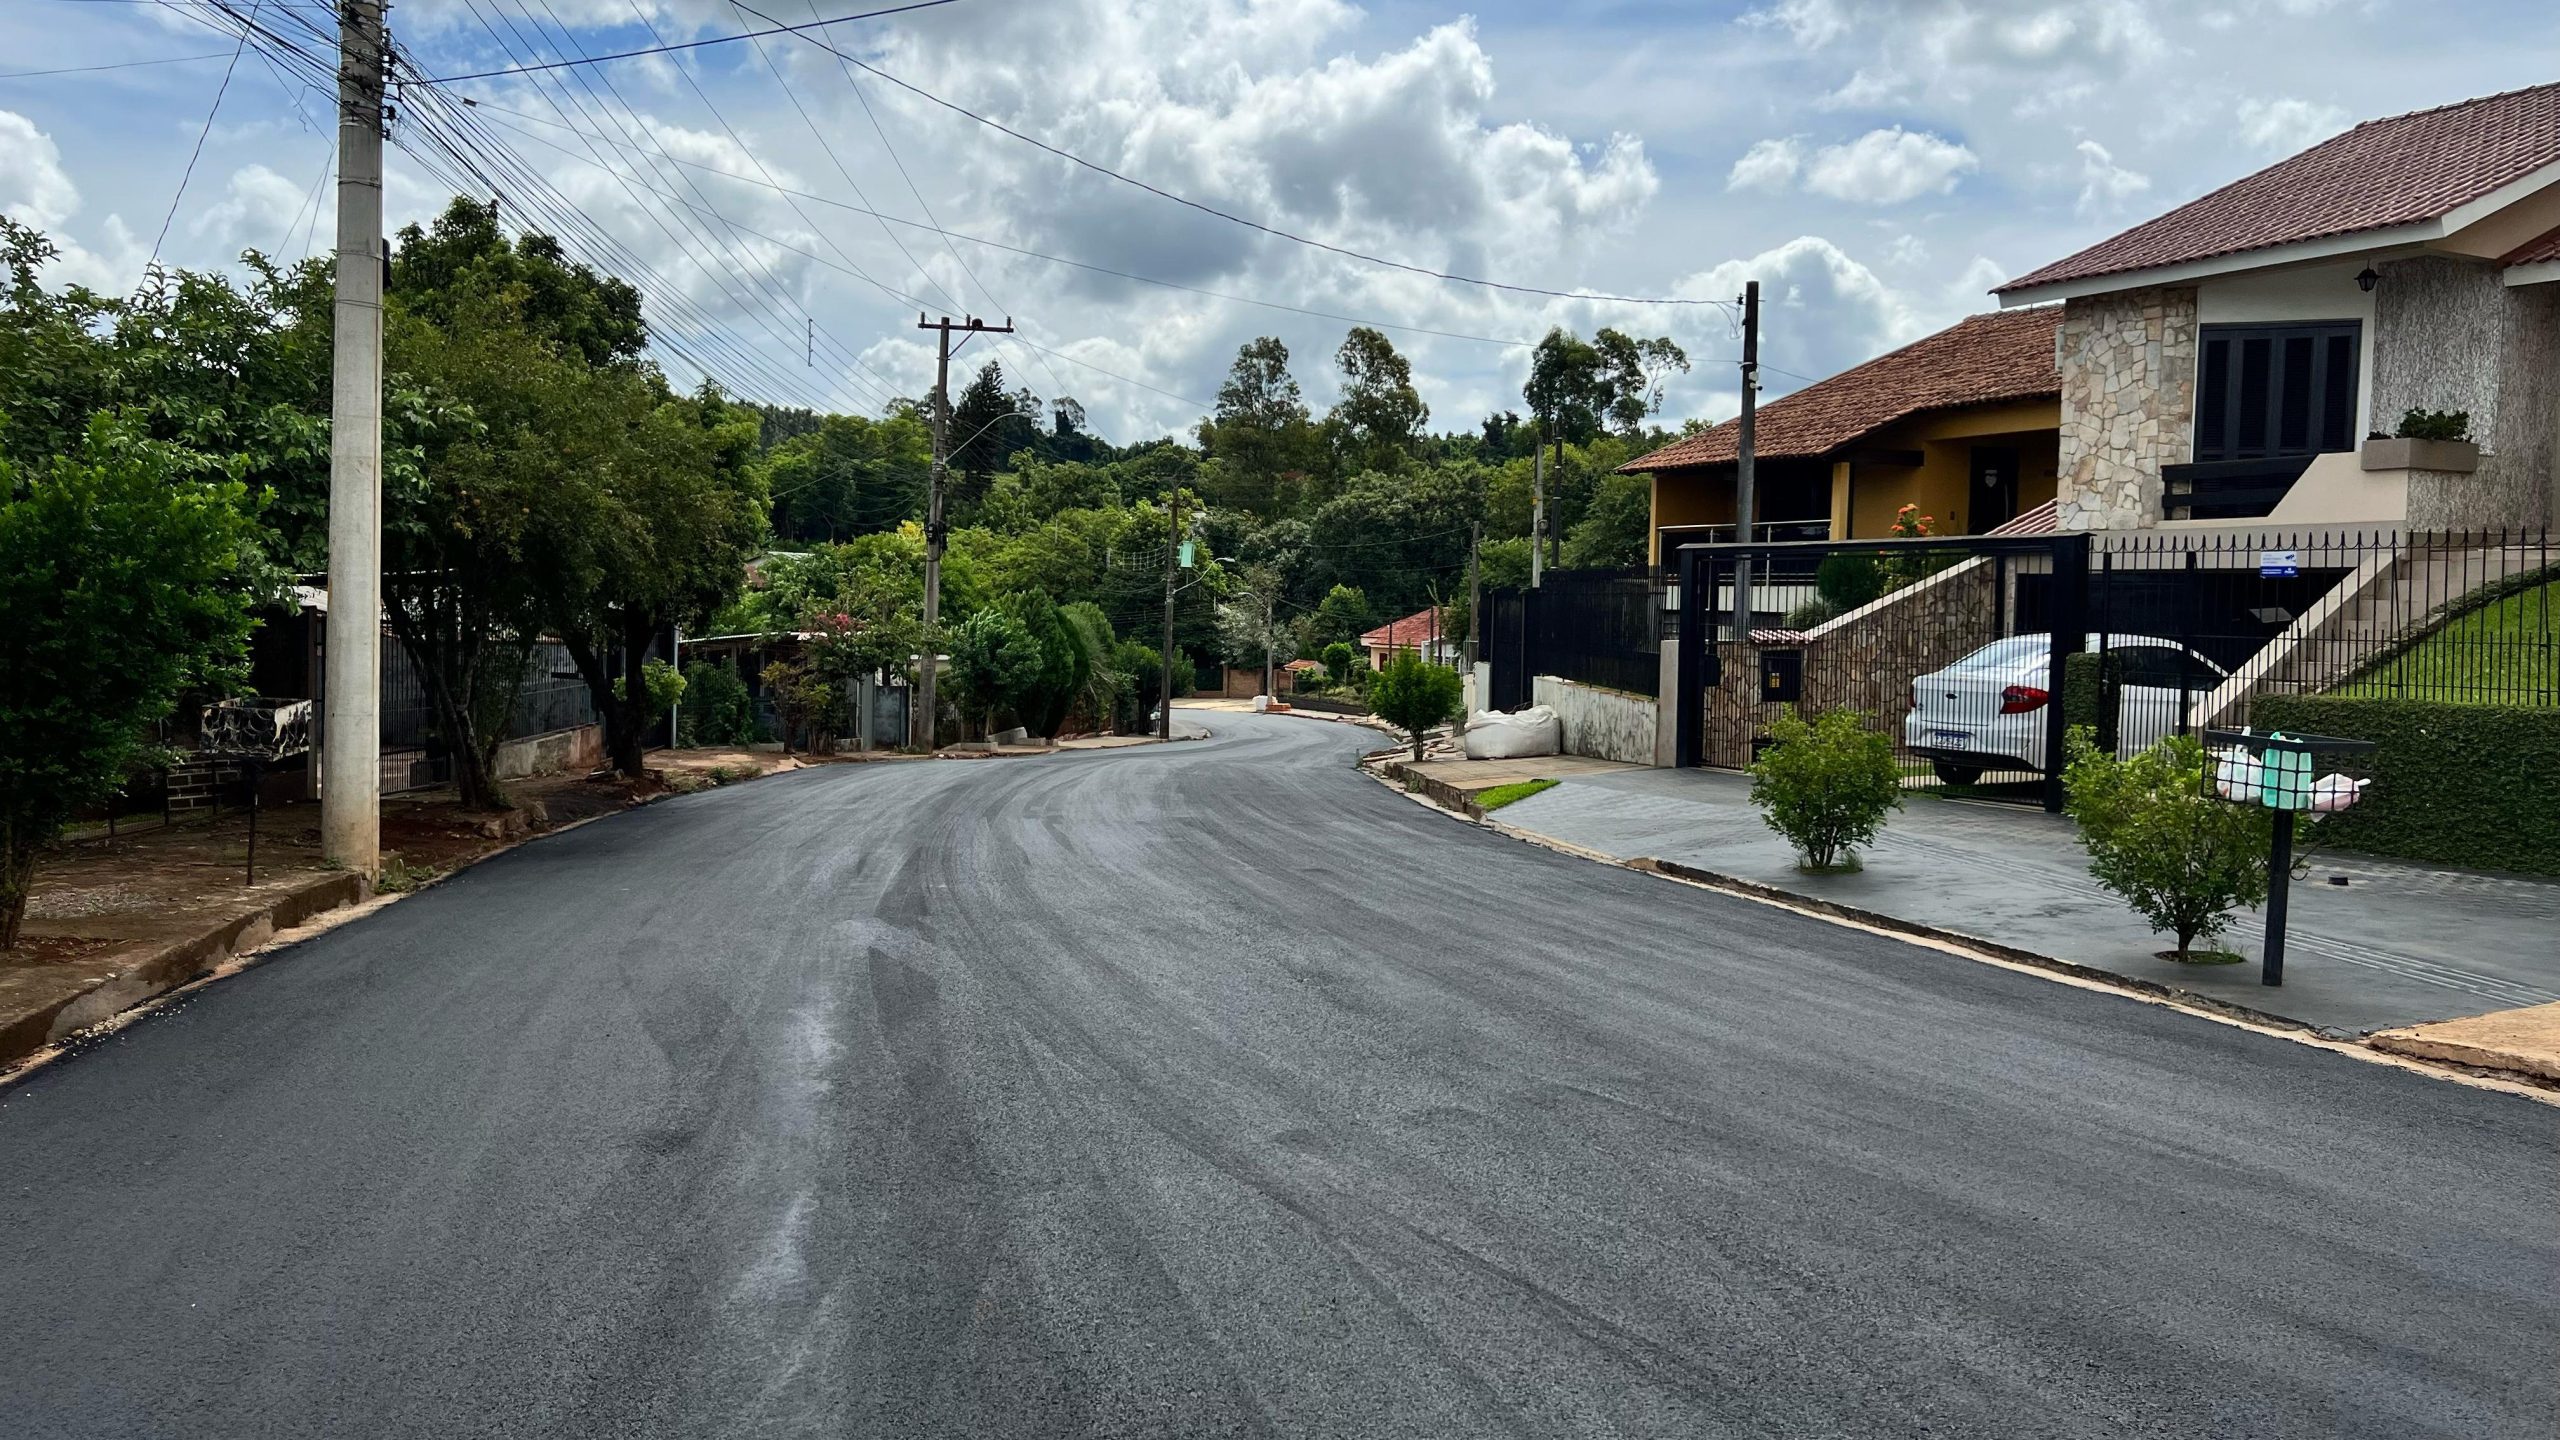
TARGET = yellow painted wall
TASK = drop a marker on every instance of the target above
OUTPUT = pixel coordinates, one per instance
(1702, 496)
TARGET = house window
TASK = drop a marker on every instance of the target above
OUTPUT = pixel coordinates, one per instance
(2267, 390)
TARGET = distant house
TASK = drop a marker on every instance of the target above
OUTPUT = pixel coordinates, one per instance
(1419, 633)
(1963, 424)
(2231, 359)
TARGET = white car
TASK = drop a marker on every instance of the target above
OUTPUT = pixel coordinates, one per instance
(1987, 711)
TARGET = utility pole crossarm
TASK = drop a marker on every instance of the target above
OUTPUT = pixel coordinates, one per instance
(936, 529)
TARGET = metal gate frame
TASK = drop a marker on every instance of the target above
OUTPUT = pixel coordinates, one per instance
(1702, 564)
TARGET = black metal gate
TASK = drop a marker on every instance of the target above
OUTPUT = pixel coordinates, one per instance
(1594, 627)
(1955, 649)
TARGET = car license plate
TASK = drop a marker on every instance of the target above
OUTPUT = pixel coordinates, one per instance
(1958, 736)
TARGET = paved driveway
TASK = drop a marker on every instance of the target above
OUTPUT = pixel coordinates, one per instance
(1212, 1089)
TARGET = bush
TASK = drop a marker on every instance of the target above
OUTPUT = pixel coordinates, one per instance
(2445, 778)
(1337, 658)
(2159, 835)
(1413, 696)
(2436, 425)
(717, 709)
(1849, 581)
(1811, 613)
(666, 685)
(1826, 785)
(2093, 695)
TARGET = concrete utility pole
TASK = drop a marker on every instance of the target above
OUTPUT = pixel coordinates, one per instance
(1172, 577)
(1743, 457)
(1538, 509)
(1475, 594)
(936, 529)
(351, 719)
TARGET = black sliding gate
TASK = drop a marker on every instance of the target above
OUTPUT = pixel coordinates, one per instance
(1596, 627)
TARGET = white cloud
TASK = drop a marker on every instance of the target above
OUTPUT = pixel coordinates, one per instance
(1907, 250)
(1888, 167)
(257, 209)
(2284, 125)
(2105, 186)
(1821, 310)
(1768, 165)
(33, 188)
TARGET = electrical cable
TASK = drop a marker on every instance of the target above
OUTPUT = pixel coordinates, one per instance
(779, 29)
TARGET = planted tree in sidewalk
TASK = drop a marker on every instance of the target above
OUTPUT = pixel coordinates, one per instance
(2160, 835)
(1826, 784)
(994, 663)
(1414, 696)
(126, 575)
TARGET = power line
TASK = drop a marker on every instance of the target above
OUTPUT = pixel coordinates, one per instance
(779, 29)
(120, 65)
(194, 155)
(1228, 216)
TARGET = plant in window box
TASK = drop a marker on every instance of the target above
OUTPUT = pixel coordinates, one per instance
(2427, 440)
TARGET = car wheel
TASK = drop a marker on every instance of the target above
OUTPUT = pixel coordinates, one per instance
(1955, 774)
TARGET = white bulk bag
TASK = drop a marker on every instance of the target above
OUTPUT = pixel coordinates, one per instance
(1492, 735)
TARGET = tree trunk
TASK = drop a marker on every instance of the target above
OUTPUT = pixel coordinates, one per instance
(17, 876)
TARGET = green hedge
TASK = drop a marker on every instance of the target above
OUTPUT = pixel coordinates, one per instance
(2092, 691)
(2454, 784)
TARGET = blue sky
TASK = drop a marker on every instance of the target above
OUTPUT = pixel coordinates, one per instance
(1876, 165)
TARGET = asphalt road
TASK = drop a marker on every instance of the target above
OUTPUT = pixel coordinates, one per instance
(1214, 1089)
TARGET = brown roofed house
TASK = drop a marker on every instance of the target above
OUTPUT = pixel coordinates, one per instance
(2233, 359)
(1961, 424)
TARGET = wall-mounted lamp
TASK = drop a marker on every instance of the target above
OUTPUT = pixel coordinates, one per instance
(2366, 280)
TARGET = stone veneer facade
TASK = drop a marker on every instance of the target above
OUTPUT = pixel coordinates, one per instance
(2449, 334)
(2128, 404)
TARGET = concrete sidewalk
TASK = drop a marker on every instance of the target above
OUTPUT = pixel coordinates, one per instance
(2395, 945)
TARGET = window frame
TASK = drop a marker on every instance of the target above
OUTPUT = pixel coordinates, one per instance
(2271, 416)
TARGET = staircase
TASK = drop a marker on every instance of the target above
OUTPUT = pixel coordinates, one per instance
(2382, 603)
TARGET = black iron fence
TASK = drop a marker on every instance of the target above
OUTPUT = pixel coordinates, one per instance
(416, 753)
(1598, 627)
(1974, 654)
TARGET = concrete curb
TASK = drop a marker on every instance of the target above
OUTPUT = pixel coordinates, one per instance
(159, 971)
(2485, 1058)
(1878, 920)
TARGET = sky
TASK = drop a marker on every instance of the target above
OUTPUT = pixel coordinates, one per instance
(1877, 166)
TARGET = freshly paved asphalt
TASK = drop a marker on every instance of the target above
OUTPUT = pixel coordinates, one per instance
(1213, 1089)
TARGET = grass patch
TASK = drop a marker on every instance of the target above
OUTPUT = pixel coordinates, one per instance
(2505, 652)
(2204, 957)
(1501, 795)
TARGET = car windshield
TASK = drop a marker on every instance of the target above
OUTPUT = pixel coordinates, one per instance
(2001, 654)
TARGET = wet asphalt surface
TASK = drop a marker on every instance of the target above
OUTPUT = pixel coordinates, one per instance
(1215, 1090)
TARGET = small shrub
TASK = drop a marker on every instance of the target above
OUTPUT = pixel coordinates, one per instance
(1337, 658)
(1826, 785)
(1811, 613)
(666, 685)
(2160, 836)
(1414, 696)
(1849, 581)
(717, 708)
(2436, 425)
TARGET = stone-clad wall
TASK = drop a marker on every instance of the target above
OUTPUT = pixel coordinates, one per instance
(2128, 404)
(2449, 334)
(1597, 721)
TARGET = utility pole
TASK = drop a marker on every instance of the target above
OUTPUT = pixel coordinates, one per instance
(936, 529)
(1743, 458)
(1172, 574)
(1268, 646)
(1475, 593)
(351, 721)
(1538, 508)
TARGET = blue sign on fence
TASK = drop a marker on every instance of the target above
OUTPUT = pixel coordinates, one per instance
(2279, 564)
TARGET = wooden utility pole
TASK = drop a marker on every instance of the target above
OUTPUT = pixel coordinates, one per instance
(1172, 577)
(351, 721)
(937, 529)
(1743, 457)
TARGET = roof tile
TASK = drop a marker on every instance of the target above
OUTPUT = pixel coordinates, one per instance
(2395, 171)
(2003, 355)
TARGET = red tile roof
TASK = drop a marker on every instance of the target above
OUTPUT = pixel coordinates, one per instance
(2383, 173)
(2044, 519)
(1409, 633)
(1982, 359)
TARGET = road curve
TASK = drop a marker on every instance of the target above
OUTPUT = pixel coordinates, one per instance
(1213, 1089)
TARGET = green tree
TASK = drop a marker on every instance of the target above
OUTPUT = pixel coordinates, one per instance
(1413, 695)
(1614, 527)
(1261, 438)
(717, 708)
(126, 573)
(994, 663)
(1826, 785)
(1338, 657)
(850, 475)
(1377, 421)
(1343, 616)
(988, 425)
(2159, 835)
(1582, 389)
